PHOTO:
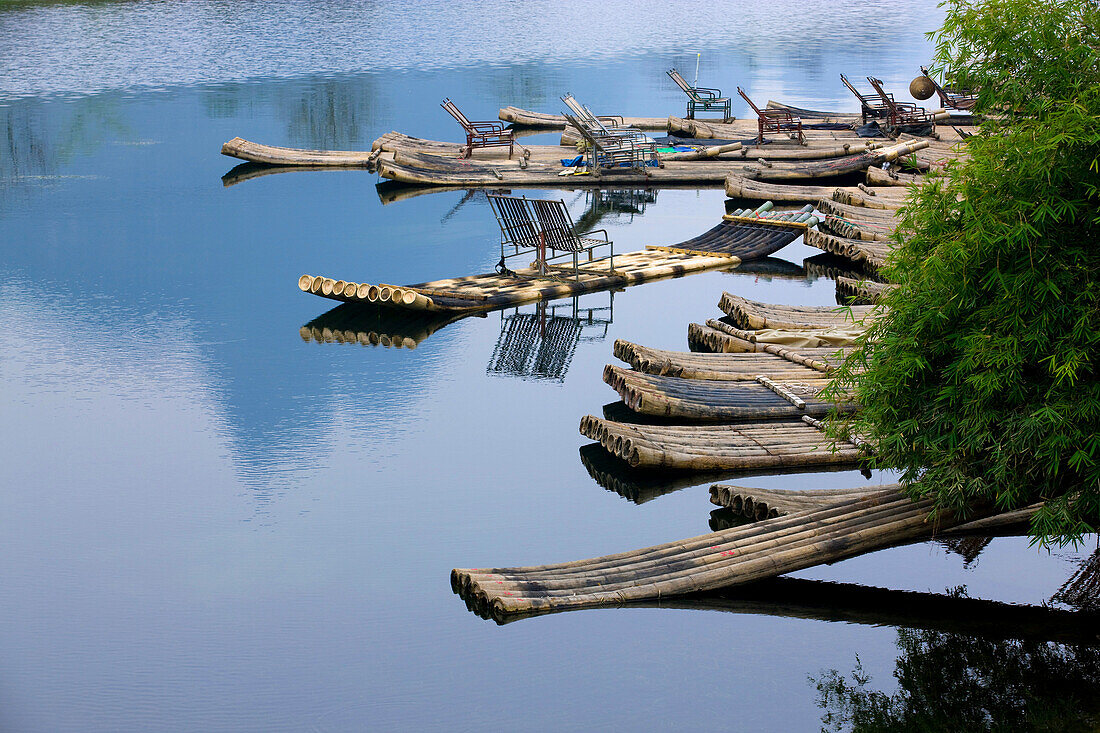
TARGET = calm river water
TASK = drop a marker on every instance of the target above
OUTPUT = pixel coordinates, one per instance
(210, 524)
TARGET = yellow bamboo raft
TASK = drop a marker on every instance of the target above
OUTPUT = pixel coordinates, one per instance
(714, 400)
(715, 560)
(721, 247)
(785, 444)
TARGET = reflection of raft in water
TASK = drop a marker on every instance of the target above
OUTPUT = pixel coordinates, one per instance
(722, 247)
(370, 325)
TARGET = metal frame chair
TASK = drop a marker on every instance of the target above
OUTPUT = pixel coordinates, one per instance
(962, 100)
(613, 151)
(779, 120)
(703, 98)
(596, 124)
(545, 224)
(901, 113)
(871, 106)
(480, 134)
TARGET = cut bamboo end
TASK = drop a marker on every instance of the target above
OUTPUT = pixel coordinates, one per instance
(304, 283)
(362, 291)
(327, 285)
(373, 294)
(315, 286)
(350, 289)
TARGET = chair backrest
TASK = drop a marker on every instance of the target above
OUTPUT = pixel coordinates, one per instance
(556, 225)
(584, 130)
(887, 99)
(680, 81)
(517, 226)
(585, 116)
(851, 88)
(746, 98)
(448, 105)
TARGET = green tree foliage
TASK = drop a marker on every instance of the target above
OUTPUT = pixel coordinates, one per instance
(981, 384)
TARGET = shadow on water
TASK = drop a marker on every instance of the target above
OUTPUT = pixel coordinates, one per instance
(1002, 668)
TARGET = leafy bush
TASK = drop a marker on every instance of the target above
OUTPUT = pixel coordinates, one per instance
(982, 380)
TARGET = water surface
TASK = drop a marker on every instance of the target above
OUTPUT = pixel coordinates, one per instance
(212, 524)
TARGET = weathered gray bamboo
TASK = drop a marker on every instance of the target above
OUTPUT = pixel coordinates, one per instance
(878, 177)
(272, 155)
(758, 504)
(750, 314)
(781, 171)
(526, 118)
(715, 560)
(745, 366)
(720, 401)
(743, 446)
(869, 253)
(864, 291)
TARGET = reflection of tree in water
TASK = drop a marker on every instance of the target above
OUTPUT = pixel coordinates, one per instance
(951, 682)
(331, 115)
(38, 138)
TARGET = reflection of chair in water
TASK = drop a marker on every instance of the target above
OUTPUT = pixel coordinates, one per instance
(541, 344)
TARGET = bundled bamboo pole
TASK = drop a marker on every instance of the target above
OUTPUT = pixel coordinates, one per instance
(772, 547)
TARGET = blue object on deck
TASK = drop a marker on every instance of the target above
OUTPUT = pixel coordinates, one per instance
(572, 162)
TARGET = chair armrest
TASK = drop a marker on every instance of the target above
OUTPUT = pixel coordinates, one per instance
(594, 231)
(487, 126)
(712, 92)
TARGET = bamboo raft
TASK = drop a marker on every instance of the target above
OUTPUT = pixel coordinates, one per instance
(708, 562)
(272, 155)
(718, 336)
(752, 315)
(730, 447)
(721, 247)
(708, 400)
(740, 187)
(642, 485)
(765, 170)
(862, 290)
(870, 253)
(526, 118)
(784, 364)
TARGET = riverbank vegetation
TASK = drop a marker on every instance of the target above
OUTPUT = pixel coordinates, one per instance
(981, 385)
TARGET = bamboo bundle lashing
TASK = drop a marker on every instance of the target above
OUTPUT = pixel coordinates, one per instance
(719, 559)
(782, 391)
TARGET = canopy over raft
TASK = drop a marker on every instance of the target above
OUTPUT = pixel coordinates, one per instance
(724, 246)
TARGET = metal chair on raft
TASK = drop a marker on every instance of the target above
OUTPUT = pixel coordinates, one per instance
(776, 120)
(871, 106)
(702, 98)
(545, 226)
(615, 151)
(597, 126)
(960, 99)
(901, 113)
(482, 134)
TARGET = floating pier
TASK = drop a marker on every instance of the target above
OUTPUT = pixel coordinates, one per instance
(722, 247)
